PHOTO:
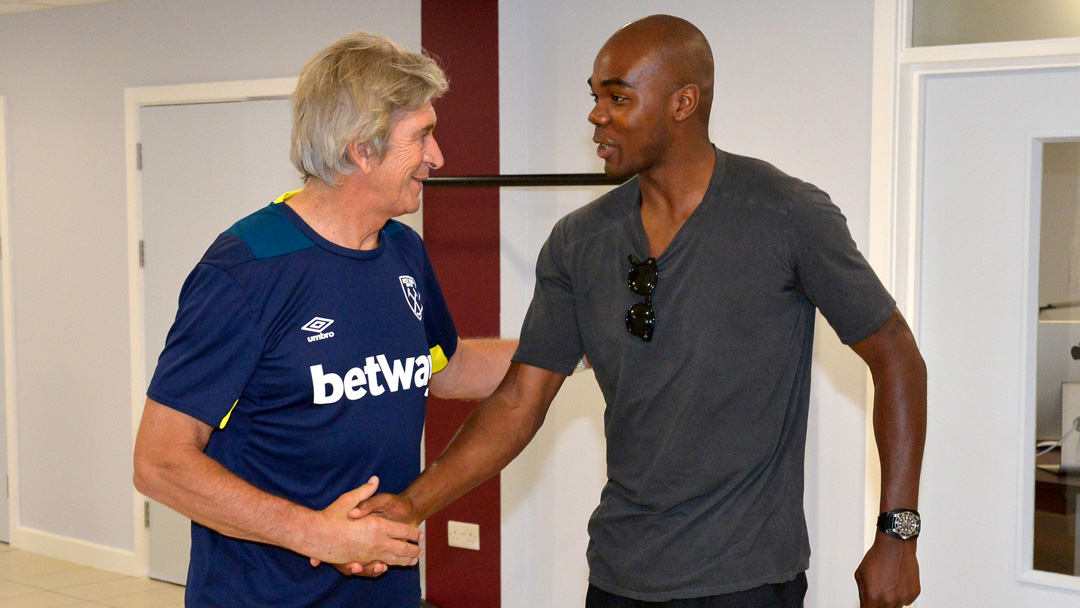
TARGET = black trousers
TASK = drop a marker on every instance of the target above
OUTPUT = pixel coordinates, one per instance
(780, 595)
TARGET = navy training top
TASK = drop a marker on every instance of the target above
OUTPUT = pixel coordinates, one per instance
(311, 361)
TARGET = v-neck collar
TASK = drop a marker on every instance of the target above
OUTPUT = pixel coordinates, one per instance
(637, 226)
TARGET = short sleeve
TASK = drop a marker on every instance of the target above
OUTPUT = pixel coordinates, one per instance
(550, 336)
(442, 336)
(832, 273)
(211, 351)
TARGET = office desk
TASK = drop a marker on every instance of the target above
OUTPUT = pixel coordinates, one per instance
(1057, 519)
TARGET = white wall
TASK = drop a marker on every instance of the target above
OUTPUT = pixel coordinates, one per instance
(63, 73)
(793, 87)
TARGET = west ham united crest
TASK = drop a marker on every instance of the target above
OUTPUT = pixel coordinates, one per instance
(412, 296)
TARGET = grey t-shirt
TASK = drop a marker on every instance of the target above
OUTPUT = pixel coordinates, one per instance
(706, 423)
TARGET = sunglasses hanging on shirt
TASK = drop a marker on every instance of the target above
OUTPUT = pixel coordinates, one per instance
(640, 318)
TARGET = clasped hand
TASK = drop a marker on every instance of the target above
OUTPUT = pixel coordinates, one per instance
(378, 532)
(383, 513)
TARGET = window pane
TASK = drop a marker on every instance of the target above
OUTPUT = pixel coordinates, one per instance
(938, 22)
(1057, 485)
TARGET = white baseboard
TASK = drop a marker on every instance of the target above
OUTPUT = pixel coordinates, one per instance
(78, 551)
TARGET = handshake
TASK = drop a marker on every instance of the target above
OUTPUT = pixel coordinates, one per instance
(367, 533)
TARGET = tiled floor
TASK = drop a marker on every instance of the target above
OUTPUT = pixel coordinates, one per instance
(28, 580)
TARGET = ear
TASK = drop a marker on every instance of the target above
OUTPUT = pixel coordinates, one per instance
(360, 155)
(686, 101)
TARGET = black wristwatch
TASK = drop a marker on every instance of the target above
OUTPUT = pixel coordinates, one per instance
(904, 524)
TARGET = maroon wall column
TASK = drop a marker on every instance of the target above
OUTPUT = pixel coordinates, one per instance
(461, 231)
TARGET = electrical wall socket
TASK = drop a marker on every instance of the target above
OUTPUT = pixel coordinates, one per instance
(465, 536)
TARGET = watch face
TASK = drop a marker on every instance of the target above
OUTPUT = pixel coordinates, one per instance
(906, 524)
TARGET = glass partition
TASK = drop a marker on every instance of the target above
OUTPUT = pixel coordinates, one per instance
(941, 22)
(1057, 427)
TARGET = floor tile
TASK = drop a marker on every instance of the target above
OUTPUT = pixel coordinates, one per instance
(97, 592)
(70, 578)
(30, 568)
(39, 599)
(154, 598)
(29, 580)
(11, 589)
(10, 558)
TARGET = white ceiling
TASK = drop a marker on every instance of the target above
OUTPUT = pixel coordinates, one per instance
(25, 6)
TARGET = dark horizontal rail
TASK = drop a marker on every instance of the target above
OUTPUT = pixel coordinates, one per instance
(1057, 305)
(540, 179)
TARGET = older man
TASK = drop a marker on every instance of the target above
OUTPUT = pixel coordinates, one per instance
(293, 382)
(704, 361)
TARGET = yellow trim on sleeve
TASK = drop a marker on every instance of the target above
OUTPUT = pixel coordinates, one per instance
(225, 420)
(438, 359)
(286, 196)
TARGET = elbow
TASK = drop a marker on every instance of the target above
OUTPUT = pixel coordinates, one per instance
(530, 426)
(446, 385)
(147, 474)
(440, 391)
(142, 477)
(916, 365)
(918, 368)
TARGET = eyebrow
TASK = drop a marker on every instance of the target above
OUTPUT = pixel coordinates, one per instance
(428, 128)
(617, 82)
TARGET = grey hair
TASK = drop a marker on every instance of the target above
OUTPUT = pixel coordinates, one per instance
(355, 91)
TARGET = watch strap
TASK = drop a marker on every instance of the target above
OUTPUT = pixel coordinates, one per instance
(903, 524)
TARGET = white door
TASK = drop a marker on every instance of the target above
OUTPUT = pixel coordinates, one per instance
(977, 331)
(204, 167)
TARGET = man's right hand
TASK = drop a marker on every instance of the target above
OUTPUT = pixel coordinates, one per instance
(364, 540)
(388, 506)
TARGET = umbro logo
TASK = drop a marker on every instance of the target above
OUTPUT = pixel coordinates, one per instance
(318, 327)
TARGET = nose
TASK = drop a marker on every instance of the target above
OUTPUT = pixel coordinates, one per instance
(598, 116)
(432, 154)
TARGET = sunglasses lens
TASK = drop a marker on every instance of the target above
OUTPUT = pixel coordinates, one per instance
(640, 320)
(642, 279)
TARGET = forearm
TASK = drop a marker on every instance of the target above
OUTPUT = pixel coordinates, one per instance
(889, 573)
(900, 432)
(496, 432)
(475, 370)
(899, 375)
(200, 488)
(171, 467)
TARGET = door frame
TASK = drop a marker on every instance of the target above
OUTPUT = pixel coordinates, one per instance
(9, 336)
(136, 98)
(900, 72)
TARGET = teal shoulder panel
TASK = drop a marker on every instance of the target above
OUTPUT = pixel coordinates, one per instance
(269, 233)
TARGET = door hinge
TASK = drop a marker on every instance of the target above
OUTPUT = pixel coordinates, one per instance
(138, 156)
(146, 513)
(142, 254)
